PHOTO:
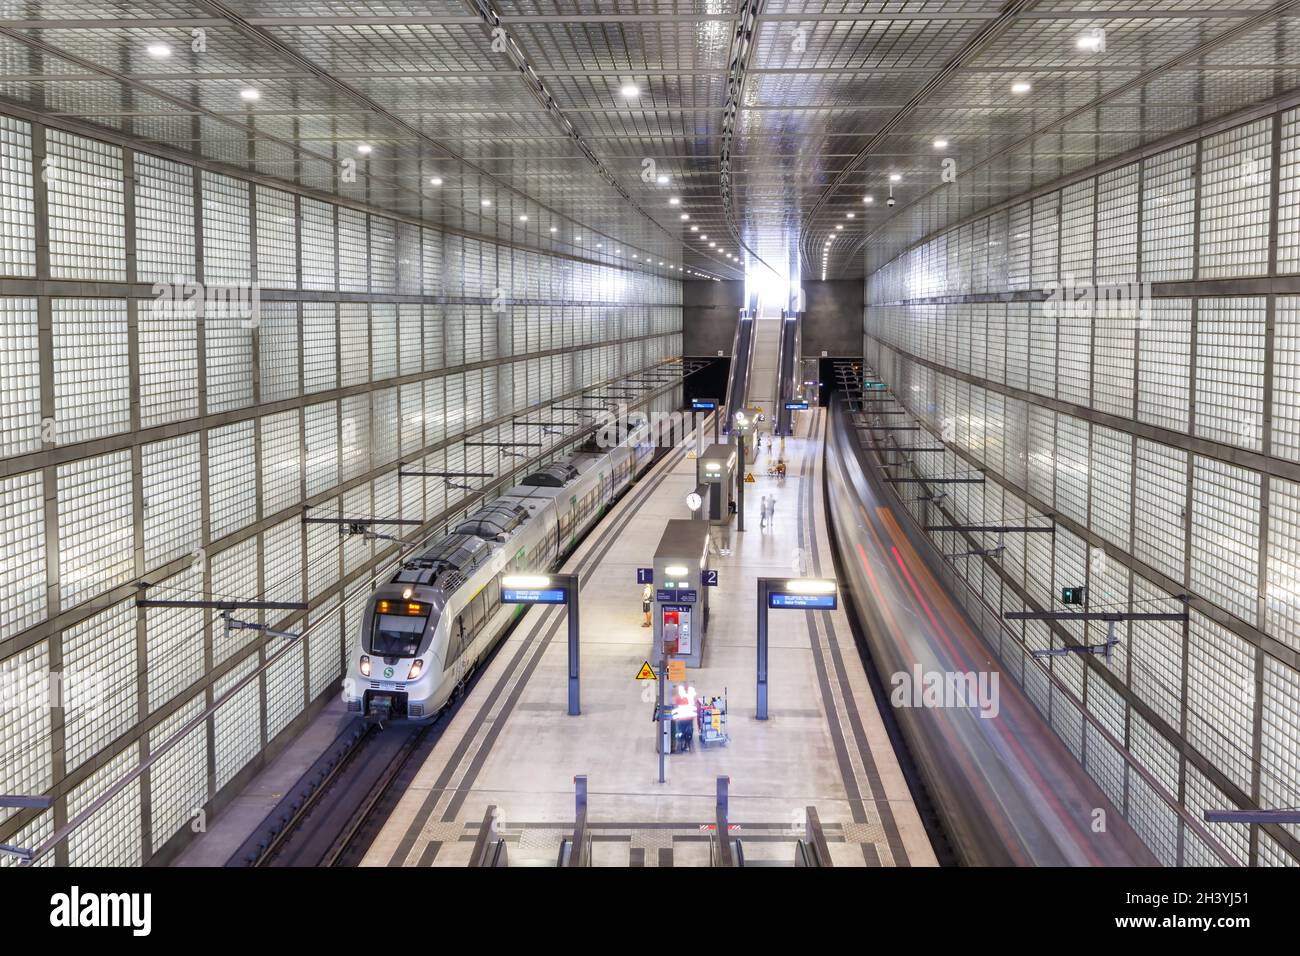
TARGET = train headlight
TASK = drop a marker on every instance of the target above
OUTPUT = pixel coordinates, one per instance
(365, 665)
(417, 668)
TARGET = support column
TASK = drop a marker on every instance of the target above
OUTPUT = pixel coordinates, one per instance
(761, 696)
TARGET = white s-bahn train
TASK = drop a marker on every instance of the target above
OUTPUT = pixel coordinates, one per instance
(426, 628)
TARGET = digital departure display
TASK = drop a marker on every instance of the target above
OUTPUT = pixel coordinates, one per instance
(826, 602)
(532, 596)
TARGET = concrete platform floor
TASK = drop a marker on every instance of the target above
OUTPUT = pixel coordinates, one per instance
(513, 746)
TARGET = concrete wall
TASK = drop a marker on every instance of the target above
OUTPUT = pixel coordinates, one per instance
(709, 312)
(833, 319)
(832, 323)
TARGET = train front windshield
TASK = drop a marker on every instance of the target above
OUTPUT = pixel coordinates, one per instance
(398, 628)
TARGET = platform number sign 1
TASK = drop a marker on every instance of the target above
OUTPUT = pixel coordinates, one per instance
(645, 575)
(709, 578)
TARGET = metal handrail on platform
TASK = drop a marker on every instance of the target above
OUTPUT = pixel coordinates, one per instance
(812, 850)
(488, 851)
(723, 851)
(576, 849)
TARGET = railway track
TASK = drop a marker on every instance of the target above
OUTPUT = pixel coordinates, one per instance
(333, 814)
(338, 806)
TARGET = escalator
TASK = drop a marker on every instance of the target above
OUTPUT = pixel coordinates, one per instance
(763, 363)
(741, 353)
(789, 388)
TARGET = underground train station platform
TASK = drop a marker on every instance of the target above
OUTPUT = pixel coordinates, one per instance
(512, 745)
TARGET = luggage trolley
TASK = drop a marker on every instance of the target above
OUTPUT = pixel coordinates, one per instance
(713, 721)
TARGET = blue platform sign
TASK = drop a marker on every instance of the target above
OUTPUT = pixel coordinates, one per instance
(796, 406)
(709, 578)
(645, 575)
(703, 405)
(803, 602)
(532, 596)
(671, 595)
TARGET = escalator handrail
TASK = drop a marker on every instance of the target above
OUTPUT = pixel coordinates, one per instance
(742, 349)
(787, 368)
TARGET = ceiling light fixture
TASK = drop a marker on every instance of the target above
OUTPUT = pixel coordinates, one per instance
(436, 181)
(868, 199)
(895, 177)
(249, 94)
(364, 149)
(630, 90)
(675, 201)
(523, 218)
(159, 49)
(1020, 87)
(940, 143)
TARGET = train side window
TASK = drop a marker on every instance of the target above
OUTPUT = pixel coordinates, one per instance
(457, 639)
(476, 613)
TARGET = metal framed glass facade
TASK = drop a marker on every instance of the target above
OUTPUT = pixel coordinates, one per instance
(214, 355)
(1137, 392)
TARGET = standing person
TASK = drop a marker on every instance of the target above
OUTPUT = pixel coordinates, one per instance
(762, 514)
(647, 595)
(771, 511)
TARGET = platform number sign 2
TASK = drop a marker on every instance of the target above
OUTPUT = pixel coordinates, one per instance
(709, 578)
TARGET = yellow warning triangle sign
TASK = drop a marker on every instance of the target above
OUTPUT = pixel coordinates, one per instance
(690, 454)
(646, 672)
(749, 478)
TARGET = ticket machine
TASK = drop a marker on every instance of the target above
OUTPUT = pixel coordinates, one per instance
(681, 603)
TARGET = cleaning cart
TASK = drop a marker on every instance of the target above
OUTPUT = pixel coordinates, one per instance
(713, 721)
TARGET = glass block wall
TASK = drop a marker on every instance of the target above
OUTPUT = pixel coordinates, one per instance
(1120, 356)
(187, 361)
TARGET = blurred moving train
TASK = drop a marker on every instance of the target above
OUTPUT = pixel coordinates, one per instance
(424, 630)
(1003, 783)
